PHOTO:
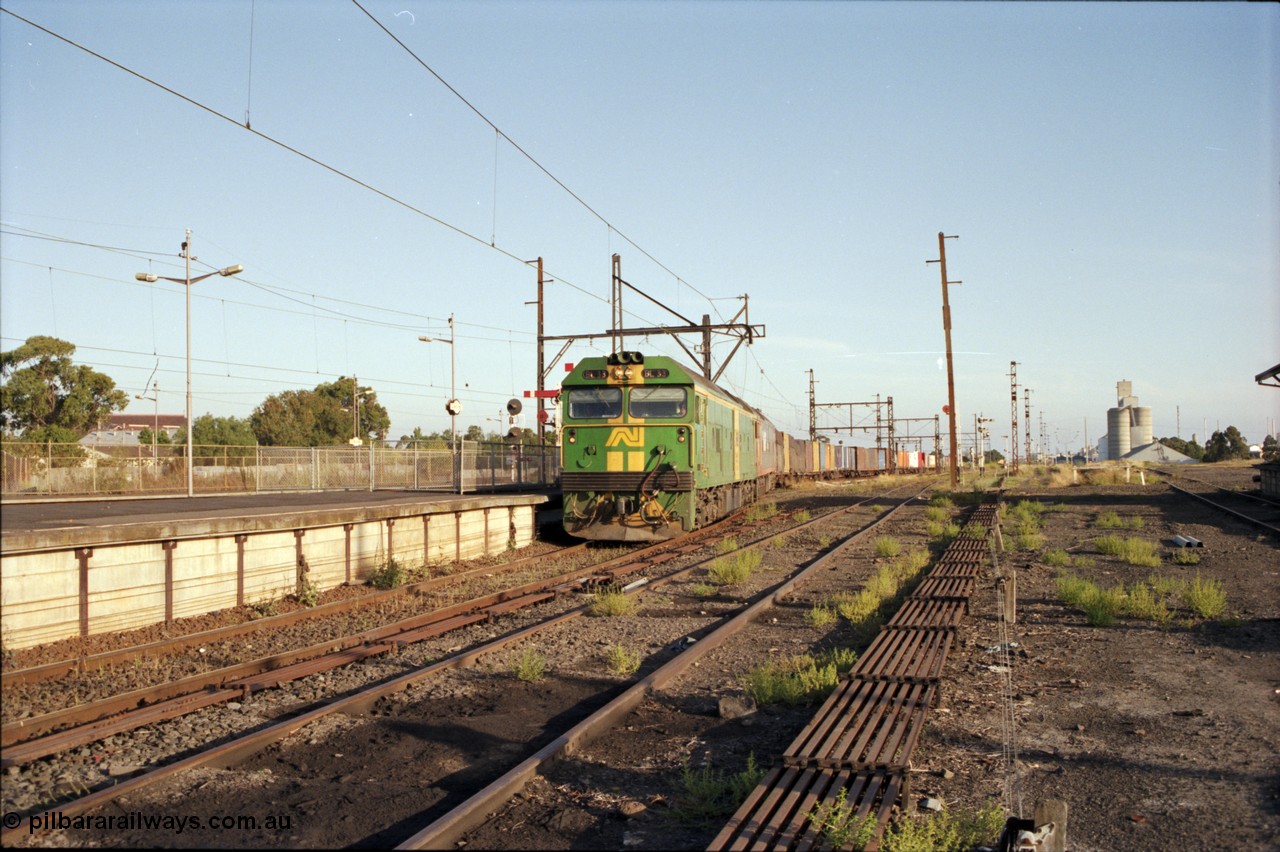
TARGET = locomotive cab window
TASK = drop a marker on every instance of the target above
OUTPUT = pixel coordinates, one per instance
(658, 401)
(595, 403)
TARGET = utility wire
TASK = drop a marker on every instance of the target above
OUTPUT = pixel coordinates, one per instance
(332, 169)
(613, 228)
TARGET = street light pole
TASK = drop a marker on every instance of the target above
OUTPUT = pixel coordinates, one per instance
(187, 282)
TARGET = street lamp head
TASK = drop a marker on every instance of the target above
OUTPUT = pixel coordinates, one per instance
(231, 270)
(147, 276)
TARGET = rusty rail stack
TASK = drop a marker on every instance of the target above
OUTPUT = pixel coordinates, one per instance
(856, 749)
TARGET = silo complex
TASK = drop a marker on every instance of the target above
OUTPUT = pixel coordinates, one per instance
(1129, 425)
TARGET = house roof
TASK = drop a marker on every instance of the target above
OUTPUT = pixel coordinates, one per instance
(137, 421)
(1157, 452)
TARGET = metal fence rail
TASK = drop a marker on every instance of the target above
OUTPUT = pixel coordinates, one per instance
(75, 470)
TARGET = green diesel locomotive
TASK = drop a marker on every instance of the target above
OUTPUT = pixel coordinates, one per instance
(650, 449)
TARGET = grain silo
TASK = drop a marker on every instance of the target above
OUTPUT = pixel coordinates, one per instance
(1118, 432)
(1129, 425)
(1142, 427)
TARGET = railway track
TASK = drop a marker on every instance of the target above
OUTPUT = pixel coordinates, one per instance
(363, 701)
(1248, 506)
(856, 751)
(71, 727)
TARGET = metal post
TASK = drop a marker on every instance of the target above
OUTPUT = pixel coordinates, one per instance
(186, 251)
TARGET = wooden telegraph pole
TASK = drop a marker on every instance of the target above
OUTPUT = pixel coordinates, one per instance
(946, 328)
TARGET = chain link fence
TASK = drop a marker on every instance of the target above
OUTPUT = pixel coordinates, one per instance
(75, 470)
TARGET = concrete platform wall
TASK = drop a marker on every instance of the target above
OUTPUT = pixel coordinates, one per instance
(61, 592)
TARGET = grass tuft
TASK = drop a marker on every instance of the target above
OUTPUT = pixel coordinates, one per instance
(621, 661)
(734, 568)
(802, 679)
(609, 603)
(887, 546)
(709, 794)
(530, 665)
(1206, 598)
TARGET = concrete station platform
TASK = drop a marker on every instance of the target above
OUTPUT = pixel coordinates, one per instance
(71, 569)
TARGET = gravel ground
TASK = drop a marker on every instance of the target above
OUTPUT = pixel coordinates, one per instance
(1157, 735)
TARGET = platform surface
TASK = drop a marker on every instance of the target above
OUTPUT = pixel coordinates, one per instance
(84, 523)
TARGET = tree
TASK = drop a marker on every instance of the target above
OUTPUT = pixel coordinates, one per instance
(1270, 448)
(47, 397)
(320, 417)
(146, 437)
(1190, 449)
(1224, 446)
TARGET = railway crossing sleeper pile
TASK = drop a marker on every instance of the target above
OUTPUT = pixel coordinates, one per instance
(856, 750)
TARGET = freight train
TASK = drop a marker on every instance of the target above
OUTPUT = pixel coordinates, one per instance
(651, 450)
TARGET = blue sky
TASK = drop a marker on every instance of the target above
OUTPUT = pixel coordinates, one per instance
(1112, 172)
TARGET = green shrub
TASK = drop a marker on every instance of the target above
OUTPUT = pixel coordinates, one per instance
(703, 590)
(800, 516)
(308, 595)
(883, 583)
(734, 568)
(1166, 586)
(530, 665)
(726, 545)
(820, 615)
(945, 832)
(1075, 590)
(886, 546)
(1113, 521)
(608, 603)
(1134, 551)
(709, 794)
(941, 501)
(799, 680)
(1206, 598)
(389, 576)
(1102, 607)
(936, 513)
(761, 511)
(840, 826)
(1185, 556)
(621, 661)
(856, 607)
(1142, 602)
(1028, 541)
(1056, 557)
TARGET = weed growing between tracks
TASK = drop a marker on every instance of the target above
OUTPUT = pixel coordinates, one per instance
(709, 794)
(530, 665)
(803, 679)
(611, 603)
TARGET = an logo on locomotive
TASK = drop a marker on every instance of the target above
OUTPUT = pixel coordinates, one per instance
(620, 460)
(627, 436)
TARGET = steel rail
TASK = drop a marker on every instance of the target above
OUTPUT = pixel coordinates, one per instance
(1246, 518)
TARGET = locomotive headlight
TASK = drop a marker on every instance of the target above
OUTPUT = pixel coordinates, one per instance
(572, 435)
